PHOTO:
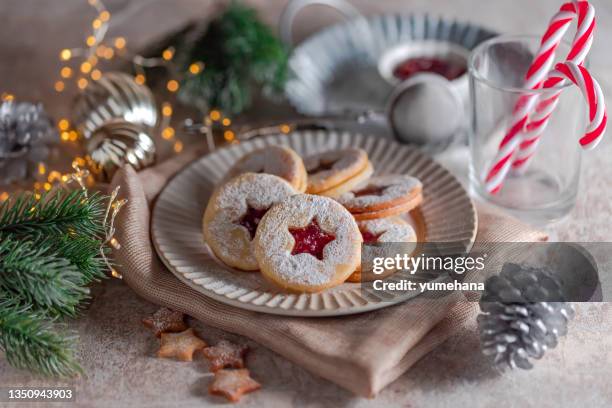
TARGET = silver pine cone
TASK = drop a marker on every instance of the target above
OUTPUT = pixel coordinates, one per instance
(523, 315)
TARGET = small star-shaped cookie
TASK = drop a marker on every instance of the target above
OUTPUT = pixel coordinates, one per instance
(233, 384)
(180, 345)
(165, 320)
(225, 354)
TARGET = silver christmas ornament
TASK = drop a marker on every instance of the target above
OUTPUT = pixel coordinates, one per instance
(114, 96)
(25, 133)
(117, 143)
(523, 315)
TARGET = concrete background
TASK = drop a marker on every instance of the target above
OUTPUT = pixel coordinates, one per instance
(117, 352)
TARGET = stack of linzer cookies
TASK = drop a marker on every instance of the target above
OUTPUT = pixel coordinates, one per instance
(302, 222)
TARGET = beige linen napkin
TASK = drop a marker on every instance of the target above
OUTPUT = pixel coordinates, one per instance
(362, 353)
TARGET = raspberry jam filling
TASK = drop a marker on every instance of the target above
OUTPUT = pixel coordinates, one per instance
(311, 240)
(369, 237)
(322, 167)
(370, 191)
(448, 69)
(250, 220)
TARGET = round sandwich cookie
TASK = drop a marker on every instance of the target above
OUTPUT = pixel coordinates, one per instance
(383, 192)
(394, 231)
(332, 168)
(280, 161)
(350, 183)
(308, 243)
(233, 214)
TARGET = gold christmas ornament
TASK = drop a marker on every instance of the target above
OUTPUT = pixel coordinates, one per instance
(115, 95)
(116, 143)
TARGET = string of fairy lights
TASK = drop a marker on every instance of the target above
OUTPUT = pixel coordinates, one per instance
(82, 65)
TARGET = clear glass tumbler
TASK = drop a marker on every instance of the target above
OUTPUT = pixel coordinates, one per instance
(546, 189)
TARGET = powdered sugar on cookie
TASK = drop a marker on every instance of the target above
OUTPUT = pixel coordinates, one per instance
(274, 243)
(381, 192)
(280, 161)
(329, 169)
(224, 227)
(388, 230)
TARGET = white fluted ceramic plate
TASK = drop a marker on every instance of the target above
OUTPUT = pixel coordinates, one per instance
(446, 215)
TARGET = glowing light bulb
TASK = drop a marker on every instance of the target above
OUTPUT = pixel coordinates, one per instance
(120, 43)
(168, 54)
(195, 68)
(66, 72)
(85, 67)
(140, 79)
(215, 115)
(63, 124)
(168, 133)
(172, 85)
(178, 146)
(54, 176)
(65, 54)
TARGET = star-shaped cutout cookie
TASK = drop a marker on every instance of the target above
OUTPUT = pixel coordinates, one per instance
(180, 345)
(165, 320)
(225, 354)
(233, 384)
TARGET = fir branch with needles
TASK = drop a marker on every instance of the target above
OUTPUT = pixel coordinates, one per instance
(60, 212)
(51, 248)
(30, 341)
(238, 51)
(39, 276)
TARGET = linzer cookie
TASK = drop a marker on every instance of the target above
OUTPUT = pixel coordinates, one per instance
(385, 230)
(350, 183)
(234, 212)
(383, 196)
(308, 243)
(280, 161)
(330, 169)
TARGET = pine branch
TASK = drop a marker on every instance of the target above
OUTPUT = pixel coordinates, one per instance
(36, 274)
(238, 50)
(84, 253)
(30, 342)
(53, 214)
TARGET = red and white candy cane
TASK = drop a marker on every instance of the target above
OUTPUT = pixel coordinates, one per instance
(539, 119)
(598, 117)
(537, 72)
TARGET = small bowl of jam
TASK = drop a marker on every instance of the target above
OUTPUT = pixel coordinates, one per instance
(436, 57)
(432, 77)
